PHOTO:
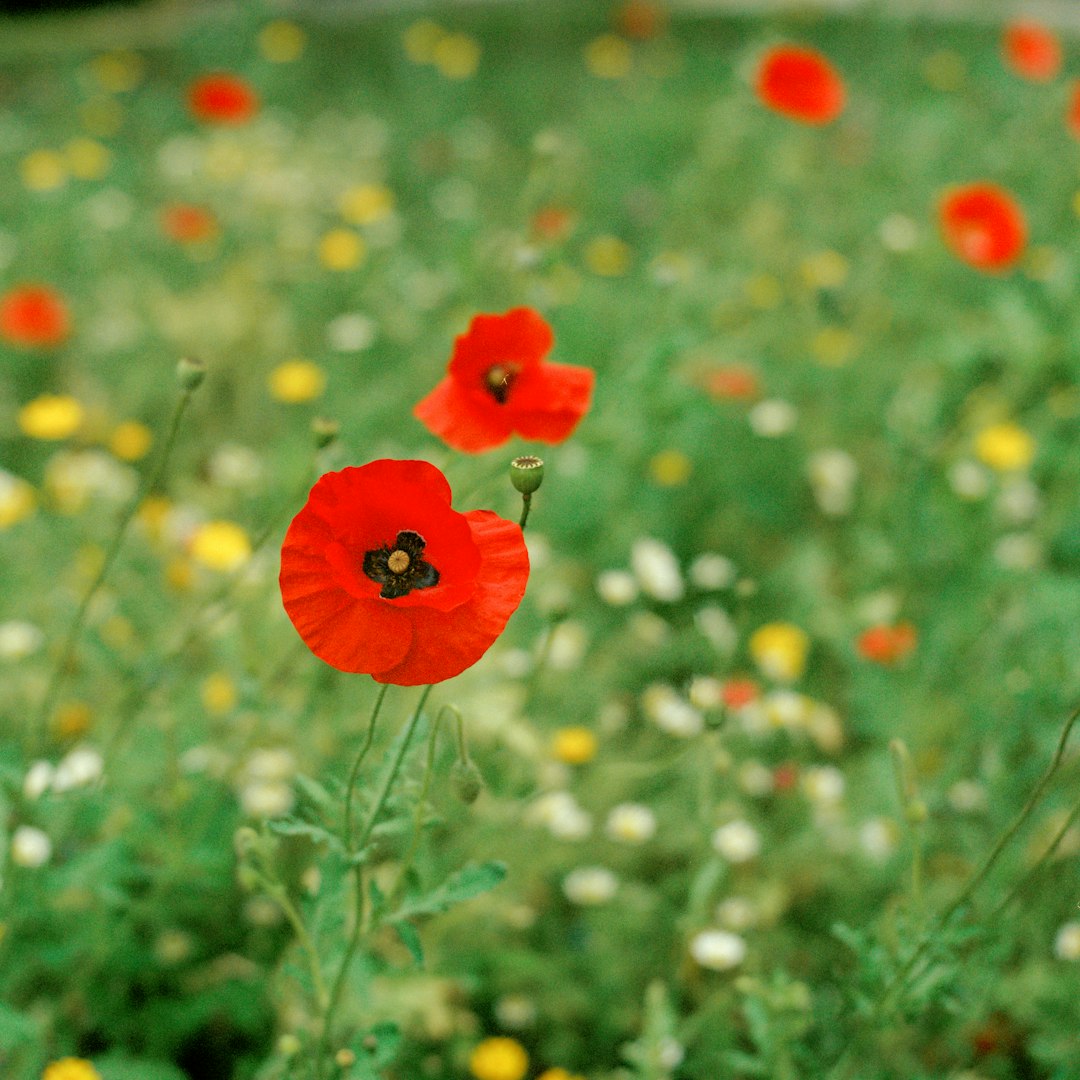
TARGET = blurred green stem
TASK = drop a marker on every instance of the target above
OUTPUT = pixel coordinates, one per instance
(526, 506)
(900, 980)
(350, 786)
(359, 893)
(71, 640)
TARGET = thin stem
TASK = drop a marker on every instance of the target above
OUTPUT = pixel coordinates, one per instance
(425, 784)
(350, 787)
(71, 639)
(900, 979)
(281, 898)
(358, 912)
(462, 748)
(526, 506)
(1046, 856)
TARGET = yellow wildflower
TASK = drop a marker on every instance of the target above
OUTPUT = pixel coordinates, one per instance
(51, 416)
(574, 745)
(779, 650)
(1005, 447)
(130, 440)
(608, 57)
(341, 249)
(297, 381)
(218, 693)
(498, 1058)
(281, 41)
(43, 170)
(220, 545)
(366, 203)
(608, 256)
(457, 56)
(670, 468)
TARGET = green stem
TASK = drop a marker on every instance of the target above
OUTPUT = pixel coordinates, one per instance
(350, 787)
(526, 506)
(358, 911)
(71, 639)
(900, 979)
(425, 785)
(278, 894)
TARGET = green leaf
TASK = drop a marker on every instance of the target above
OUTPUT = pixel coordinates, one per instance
(316, 833)
(411, 940)
(468, 882)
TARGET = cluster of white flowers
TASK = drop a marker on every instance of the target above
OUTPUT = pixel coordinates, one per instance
(80, 767)
(657, 570)
(19, 640)
(560, 814)
(737, 841)
(671, 713)
(265, 783)
(832, 478)
(717, 950)
(630, 823)
(589, 886)
(30, 847)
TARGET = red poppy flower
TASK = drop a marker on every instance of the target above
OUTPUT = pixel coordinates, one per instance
(33, 317)
(187, 224)
(222, 98)
(380, 575)
(887, 644)
(1032, 51)
(800, 83)
(983, 225)
(641, 19)
(498, 384)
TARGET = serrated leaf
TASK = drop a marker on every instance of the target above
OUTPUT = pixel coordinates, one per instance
(470, 881)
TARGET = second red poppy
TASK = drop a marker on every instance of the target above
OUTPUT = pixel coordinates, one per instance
(498, 384)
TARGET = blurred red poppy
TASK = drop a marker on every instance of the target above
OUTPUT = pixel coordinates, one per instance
(1031, 50)
(641, 19)
(498, 384)
(983, 225)
(33, 317)
(380, 575)
(222, 98)
(737, 693)
(885, 644)
(187, 224)
(732, 383)
(800, 83)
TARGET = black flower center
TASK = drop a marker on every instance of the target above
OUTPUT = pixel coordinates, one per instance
(399, 567)
(498, 379)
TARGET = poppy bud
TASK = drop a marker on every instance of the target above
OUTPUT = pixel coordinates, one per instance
(527, 473)
(324, 431)
(190, 373)
(466, 781)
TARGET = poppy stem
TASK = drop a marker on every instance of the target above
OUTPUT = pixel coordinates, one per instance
(66, 655)
(350, 787)
(359, 901)
(526, 506)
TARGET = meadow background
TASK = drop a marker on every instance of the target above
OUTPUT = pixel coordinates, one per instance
(800, 634)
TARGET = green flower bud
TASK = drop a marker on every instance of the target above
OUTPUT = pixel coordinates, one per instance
(466, 781)
(527, 473)
(324, 431)
(190, 373)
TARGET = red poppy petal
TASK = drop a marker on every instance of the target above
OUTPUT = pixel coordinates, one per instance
(562, 401)
(347, 633)
(446, 643)
(222, 98)
(465, 421)
(33, 316)
(800, 83)
(520, 337)
(1032, 51)
(1072, 117)
(983, 225)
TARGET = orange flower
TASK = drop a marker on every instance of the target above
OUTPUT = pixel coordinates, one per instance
(732, 383)
(641, 19)
(1031, 50)
(885, 644)
(801, 84)
(222, 98)
(983, 225)
(33, 317)
(737, 693)
(187, 224)
(552, 223)
(1072, 118)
